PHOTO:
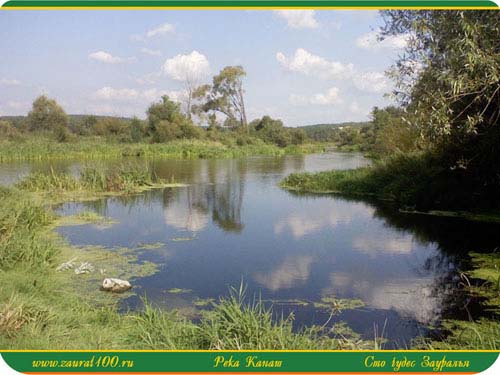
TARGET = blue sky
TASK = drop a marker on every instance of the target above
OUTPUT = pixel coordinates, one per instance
(304, 67)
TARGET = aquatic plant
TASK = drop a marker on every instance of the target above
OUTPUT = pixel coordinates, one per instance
(124, 178)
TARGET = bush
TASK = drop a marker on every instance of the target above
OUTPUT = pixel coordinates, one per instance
(113, 128)
(7, 131)
(271, 131)
(166, 131)
(63, 134)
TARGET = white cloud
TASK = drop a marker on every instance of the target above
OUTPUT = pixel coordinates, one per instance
(150, 52)
(107, 58)
(372, 82)
(331, 96)
(164, 29)
(161, 30)
(9, 82)
(291, 272)
(308, 64)
(191, 67)
(298, 19)
(372, 41)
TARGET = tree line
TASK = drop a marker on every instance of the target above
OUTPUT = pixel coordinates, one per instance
(212, 111)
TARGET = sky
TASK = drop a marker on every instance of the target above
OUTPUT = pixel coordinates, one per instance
(303, 66)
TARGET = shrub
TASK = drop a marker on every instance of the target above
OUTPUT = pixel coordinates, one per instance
(7, 131)
(112, 127)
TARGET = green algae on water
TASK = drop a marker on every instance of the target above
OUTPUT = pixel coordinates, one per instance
(150, 246)
(339, 304)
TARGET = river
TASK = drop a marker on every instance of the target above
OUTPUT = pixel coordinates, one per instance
(232, 223)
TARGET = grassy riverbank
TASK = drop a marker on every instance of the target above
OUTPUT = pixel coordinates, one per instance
(404, 179)
(95, 148)
(44, 305)
(416, 181)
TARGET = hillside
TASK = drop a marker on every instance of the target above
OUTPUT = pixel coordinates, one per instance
(327, 132)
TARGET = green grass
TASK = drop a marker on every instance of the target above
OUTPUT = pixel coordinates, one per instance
(94, 182)
(20, 242)
(416, 181)
(94, 148)
(234, 323)
(400, 178)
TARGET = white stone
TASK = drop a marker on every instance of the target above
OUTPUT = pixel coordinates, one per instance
(116, 285)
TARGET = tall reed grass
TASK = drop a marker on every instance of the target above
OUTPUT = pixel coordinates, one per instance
(20, 220)
(122, 178)
(94, 148)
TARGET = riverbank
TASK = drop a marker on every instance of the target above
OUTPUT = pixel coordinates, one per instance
(416, 182)
(95, 148)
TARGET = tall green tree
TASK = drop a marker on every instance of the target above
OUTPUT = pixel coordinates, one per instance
(225, 95)
(449, 76)
(392, 132)
(46, 114)
(449, 81)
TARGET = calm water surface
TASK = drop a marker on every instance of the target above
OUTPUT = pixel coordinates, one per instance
(232, 223)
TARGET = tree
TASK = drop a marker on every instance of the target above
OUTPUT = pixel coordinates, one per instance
(7, 130)
(46, 114)
(136, 130)
(167, 122)
(449, 77)
(271, 131)
(298, 136)
(449, 82)
(189, 69)
(165, 110)
(112, 127)
(392, 132)
(225, 95)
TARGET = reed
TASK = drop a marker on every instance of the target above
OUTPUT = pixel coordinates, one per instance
(93, 148)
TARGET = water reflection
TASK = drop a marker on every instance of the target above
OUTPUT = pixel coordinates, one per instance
(291, 272)
(289, 246)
